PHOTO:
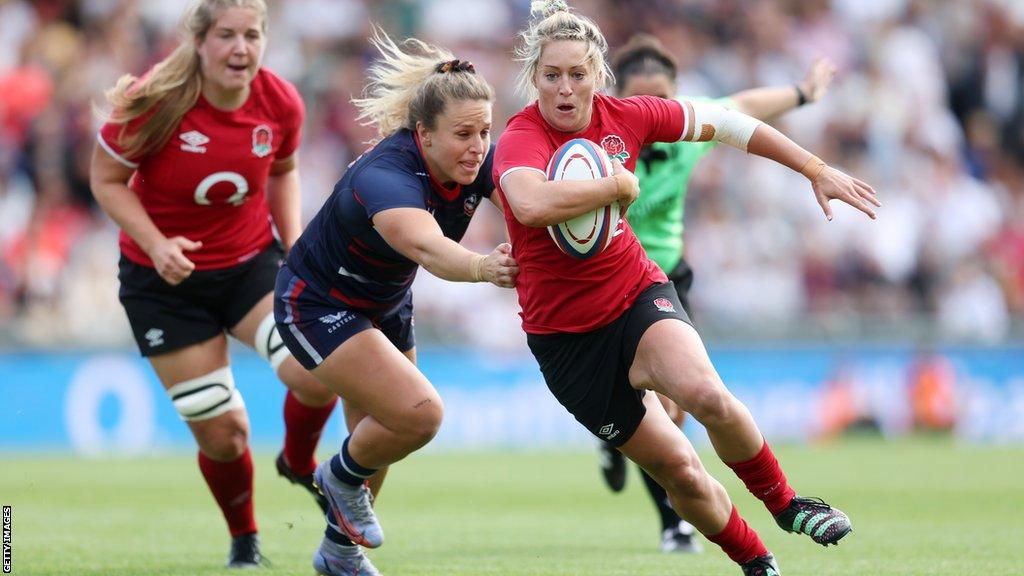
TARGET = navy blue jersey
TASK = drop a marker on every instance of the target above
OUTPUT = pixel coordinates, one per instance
(341, 255)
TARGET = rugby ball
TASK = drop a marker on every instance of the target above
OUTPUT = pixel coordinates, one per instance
(588, 234)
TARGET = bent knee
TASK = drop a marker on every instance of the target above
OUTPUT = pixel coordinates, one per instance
(710, 401)
(422, 420)
(224, 443)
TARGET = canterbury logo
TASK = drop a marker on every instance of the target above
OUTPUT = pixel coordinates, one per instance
(332, 318)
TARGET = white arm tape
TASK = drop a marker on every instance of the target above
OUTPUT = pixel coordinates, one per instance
(206, 396)
(268, 343)
(708, 121)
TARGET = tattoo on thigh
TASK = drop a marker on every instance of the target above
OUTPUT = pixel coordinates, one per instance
(422, 403)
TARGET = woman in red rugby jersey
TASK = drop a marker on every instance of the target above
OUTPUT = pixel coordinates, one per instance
(195, 164)
(607, 328)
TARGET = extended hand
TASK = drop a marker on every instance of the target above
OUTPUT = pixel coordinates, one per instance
(818, 79)
(499, 268)
(833, 184)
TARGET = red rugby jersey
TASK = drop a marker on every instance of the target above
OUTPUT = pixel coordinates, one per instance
(207, 183)
(557, 292)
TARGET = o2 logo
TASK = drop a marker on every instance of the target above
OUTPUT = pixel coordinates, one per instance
(240, 183)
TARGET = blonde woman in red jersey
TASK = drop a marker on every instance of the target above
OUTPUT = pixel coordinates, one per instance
(196, 161)
(608, 328)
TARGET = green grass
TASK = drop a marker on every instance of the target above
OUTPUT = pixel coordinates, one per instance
(919, 507)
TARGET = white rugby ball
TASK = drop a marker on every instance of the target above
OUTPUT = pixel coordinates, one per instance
(588, 234)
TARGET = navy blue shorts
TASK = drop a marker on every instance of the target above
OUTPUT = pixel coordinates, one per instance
(313, 325)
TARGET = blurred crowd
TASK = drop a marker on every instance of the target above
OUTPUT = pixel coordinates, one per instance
(928, 107)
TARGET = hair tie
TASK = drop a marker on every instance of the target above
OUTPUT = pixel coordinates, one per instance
(455, 66)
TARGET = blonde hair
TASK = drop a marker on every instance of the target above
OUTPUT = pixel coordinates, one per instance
(559, 23)
(172, 87)
(413, 82)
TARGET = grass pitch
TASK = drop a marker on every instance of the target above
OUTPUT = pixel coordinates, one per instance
(919, 507)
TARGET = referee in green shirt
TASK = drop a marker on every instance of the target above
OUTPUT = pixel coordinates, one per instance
(644, 67)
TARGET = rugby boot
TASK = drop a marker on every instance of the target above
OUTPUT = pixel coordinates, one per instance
(681, 539)
(613, 466)
(761, 566)
(813, 517)
(351, 507)
(305, 481)
(333, 559)
(245, 552)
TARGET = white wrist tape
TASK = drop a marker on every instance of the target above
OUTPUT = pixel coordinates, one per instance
(707, 121)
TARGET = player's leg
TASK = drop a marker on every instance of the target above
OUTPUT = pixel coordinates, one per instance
(200, 384)
(671, 359)
(659, 446)
(677, 535)
(183, 338)
(353, 416)
(307, 405)
(337, 555)
(403, 412)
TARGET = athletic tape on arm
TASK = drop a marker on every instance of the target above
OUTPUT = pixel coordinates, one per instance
(268, 343)
(207, 396)
(708, 121)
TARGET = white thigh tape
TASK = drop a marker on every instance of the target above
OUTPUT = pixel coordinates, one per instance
(269, 345)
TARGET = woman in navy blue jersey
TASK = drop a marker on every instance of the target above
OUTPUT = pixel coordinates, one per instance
(343, 298)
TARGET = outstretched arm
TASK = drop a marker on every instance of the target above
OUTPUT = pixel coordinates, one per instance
(414, 233)
(713, 122)
(766, 103)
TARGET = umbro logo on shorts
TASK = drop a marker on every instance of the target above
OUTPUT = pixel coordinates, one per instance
(608, 431)
(155, 337)
(664, 305)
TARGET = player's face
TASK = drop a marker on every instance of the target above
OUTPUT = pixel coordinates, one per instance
(232, 51)
(459, 142)
(658, 85)
(566, 81)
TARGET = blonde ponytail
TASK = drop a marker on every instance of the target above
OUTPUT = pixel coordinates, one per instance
(411, 83)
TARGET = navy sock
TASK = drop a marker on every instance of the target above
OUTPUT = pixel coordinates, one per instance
(347, 470)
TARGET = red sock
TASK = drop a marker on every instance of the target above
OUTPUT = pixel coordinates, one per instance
(764, 478)
(231, 485)
(738, 540)
(302, 428)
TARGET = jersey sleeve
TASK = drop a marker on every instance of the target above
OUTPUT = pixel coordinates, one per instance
(517, 149)
(387, 184)
(656, 119)
(486, 177)
(109, 138)
(291, 122)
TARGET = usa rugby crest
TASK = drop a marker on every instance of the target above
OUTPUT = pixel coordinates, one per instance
(615, 148)
(262, 140)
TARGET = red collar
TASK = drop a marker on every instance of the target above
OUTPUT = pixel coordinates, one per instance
(449, 194)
